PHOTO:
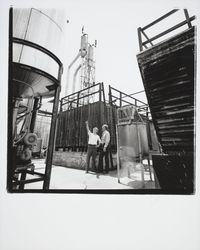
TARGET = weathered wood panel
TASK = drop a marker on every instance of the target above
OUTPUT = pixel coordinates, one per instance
(71, 130)
(167, 71)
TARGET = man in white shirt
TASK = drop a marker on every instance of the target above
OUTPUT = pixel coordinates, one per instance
(104, 149)
(93, 143)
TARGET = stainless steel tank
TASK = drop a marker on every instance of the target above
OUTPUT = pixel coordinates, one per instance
(84, 45)
(37, 46)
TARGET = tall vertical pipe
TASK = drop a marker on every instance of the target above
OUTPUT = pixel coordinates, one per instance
(68, 71)
(74, 78)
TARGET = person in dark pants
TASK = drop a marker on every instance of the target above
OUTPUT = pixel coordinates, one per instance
(93, 143)
(104, 149)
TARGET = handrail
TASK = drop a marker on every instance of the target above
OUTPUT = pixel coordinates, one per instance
(78, 92)
(126, 95)
(148, 40)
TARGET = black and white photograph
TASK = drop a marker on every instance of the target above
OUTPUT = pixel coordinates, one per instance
(99, 130)
(100, 117)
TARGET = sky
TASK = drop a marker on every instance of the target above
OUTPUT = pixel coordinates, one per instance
(114, 25)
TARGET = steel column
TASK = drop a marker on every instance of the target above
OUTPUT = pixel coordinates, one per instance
(52, 133)
(34, 114)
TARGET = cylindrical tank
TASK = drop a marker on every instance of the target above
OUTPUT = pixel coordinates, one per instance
(84, 45)
(91, 55)
(35, 33)
(129, 141)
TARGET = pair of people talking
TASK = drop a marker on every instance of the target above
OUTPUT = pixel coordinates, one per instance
(95, 142)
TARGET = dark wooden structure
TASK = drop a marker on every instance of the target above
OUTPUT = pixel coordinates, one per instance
(167, 70)
(89, 105)
(76, 108)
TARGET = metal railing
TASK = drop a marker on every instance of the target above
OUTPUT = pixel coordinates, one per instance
(119, 99)
(149, 41)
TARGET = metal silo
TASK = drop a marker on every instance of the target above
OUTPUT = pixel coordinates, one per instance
(35, 69)
(36, 52)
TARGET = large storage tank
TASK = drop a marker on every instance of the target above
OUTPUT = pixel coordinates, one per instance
(35, 69)
(37, 43)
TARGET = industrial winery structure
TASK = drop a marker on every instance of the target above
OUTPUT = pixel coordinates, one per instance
(161, 132)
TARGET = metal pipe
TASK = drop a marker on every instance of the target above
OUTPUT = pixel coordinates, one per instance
(68, 71)
(34, 114)
(74, 78)
(15, 112)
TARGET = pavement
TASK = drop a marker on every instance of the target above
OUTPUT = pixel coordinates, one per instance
(68, 178)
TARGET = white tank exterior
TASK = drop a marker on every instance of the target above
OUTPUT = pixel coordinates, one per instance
(84, 43)
(35, 26)
(91, 55)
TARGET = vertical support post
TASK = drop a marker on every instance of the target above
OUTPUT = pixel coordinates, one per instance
(52, 133)
(140, 38)
(149, 165)
(61, 105)
(10, 148)
(23, 178)
(106, 118)
(34, 114)
(113, 115)
(120, 99)
(100, 105)
(187, 18)
(104, 101)
(78, 118)
(14, 114)
(149, 131)
(109, 94)
(118, 155)
(140, 154)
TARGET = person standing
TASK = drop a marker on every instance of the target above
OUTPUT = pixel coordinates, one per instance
(104, 149)
(93, 143)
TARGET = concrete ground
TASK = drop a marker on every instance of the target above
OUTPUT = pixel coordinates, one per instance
(68, 178)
